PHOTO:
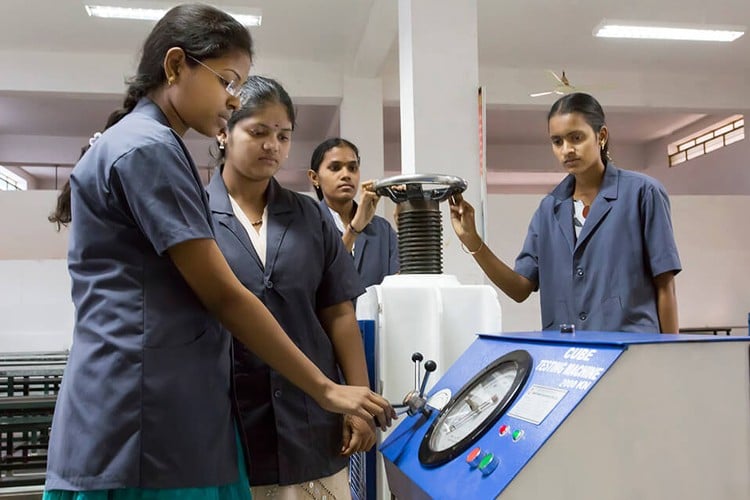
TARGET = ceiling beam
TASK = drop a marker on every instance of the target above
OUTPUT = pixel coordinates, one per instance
(378, 38)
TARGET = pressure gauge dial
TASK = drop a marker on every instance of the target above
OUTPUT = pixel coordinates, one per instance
(475, 408)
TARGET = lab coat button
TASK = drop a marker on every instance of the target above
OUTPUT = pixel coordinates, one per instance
(268, 283)
(579, 272)
(583, 316)
(277, 393)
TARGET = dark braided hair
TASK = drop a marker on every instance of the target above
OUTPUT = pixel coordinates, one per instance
(202, 31)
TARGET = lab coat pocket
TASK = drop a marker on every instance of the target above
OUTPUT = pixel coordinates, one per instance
(185, 392)
(171, 335)
(610, 314)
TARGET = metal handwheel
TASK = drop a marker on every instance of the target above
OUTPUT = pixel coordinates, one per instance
(433, 187)
(420, 229)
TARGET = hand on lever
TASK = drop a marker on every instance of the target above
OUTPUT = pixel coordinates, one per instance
(368, 203)
(358, 401)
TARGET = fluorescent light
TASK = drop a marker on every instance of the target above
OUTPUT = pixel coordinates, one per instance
(143, 14)
(622, 29)
(112, 12)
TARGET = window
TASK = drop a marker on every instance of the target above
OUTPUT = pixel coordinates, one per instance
(717, 136)
(10, 181)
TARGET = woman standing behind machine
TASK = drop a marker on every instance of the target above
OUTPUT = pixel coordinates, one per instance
(334, 173)
(600, 247)
(283, 250)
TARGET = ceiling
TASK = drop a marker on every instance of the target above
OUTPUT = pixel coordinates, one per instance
(535, 35)
(557, 35)
(323, 30)
(529, 33)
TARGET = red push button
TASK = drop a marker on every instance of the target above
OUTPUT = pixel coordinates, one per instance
(474, 457)
(503, 430)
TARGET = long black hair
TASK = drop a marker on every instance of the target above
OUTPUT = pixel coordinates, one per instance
(589, 108)
(317, 157)
(202, 31)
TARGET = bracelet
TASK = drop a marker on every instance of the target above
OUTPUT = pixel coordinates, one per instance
(351, 228)
(481, 245)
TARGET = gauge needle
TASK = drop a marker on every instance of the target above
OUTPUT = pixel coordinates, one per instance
(475, 409)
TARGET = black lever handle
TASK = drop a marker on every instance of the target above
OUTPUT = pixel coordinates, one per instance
(417, 359)
(429, 367)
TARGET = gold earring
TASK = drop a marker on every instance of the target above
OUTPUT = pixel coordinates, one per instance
(602, 145)
(170, 81)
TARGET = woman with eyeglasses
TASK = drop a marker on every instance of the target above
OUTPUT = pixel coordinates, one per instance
(146, 404)
(292, 259)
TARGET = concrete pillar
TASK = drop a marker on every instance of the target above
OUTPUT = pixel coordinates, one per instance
(439, 82)
(361, 121)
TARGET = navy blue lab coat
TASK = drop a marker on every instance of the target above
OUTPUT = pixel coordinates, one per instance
(145, 398)
(290, 438)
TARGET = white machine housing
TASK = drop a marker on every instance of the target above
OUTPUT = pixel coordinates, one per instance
(432, 314)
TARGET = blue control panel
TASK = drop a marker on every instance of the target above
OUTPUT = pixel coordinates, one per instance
(565, 367)
(562, 374)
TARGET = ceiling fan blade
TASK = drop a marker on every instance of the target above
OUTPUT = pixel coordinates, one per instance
(540, 94)
(555, 77)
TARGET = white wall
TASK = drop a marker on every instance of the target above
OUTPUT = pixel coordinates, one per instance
(36, 311)
(25, 232)
(712, 289)
(713, 240)
(35, 306)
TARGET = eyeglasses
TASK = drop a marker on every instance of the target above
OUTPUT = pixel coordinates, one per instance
(231, 86)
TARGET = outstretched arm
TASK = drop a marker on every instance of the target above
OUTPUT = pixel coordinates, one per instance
(206, 271)
(514, 285)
